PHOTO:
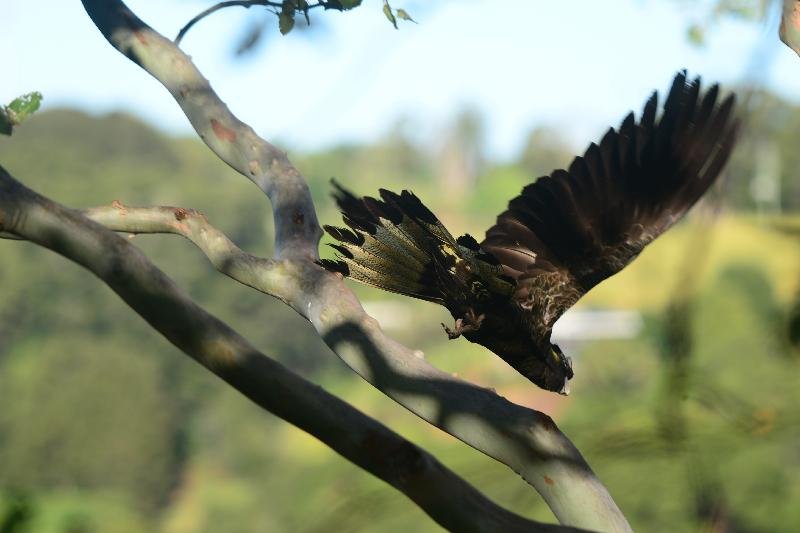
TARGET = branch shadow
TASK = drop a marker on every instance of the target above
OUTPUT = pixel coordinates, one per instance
(513, 423)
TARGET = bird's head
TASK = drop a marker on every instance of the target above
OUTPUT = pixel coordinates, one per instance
(548, 368)
(561, 367)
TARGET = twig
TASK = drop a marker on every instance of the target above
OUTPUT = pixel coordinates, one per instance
(233, 3)
(447, 498)
(216, 7)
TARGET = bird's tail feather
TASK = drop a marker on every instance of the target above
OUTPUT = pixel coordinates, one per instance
(394, 243)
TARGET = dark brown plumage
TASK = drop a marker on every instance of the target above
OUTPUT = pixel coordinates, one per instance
(560, 237)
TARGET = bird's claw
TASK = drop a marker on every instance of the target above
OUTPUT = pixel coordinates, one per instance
(470, 322)
(454, 333)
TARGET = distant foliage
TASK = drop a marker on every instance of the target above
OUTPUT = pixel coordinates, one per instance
(75, 362)
(764, 173)
(709, 14)
(73, 408)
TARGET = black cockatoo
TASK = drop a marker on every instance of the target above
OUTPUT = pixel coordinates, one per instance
(564, 233)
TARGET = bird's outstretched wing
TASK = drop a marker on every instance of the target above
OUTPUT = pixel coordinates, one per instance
(570, 230)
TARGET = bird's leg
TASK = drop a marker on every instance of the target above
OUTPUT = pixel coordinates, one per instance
(454, 333)
(473, 320)
(470, 322)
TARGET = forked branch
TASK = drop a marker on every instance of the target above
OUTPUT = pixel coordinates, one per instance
(447, 498)
(525, 440)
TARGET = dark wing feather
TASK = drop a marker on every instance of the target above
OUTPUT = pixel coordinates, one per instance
(397, 244)
(584, 224)
(382, 247)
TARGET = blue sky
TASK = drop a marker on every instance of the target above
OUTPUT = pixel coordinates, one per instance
(578, 65)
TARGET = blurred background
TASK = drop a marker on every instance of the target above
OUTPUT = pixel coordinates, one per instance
(686, 389)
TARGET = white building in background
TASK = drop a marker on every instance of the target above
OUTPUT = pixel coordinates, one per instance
(577, 325)
(586, 325)
(765, 187)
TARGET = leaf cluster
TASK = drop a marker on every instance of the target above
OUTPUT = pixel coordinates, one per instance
(289, 10)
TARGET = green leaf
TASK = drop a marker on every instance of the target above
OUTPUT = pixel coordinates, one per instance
(350, 4)
(402, 14)
(18, 111)
(696, 35)
(285, 22)
(26, 105)
(387, 10)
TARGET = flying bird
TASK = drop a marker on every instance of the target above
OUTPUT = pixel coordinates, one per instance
(561, 236)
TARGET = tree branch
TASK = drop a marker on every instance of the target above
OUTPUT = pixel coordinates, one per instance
(297, 231)
(525, 440)
(444, 496)
(789, 30)
(511, 438)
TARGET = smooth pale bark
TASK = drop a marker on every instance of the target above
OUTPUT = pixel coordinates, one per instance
(789, 30)
(444, 496)
(525, 440)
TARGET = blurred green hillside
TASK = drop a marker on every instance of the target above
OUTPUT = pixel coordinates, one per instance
(106, 427)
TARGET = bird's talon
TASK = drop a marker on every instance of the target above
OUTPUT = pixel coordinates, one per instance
(451, 334)
(470, 322)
